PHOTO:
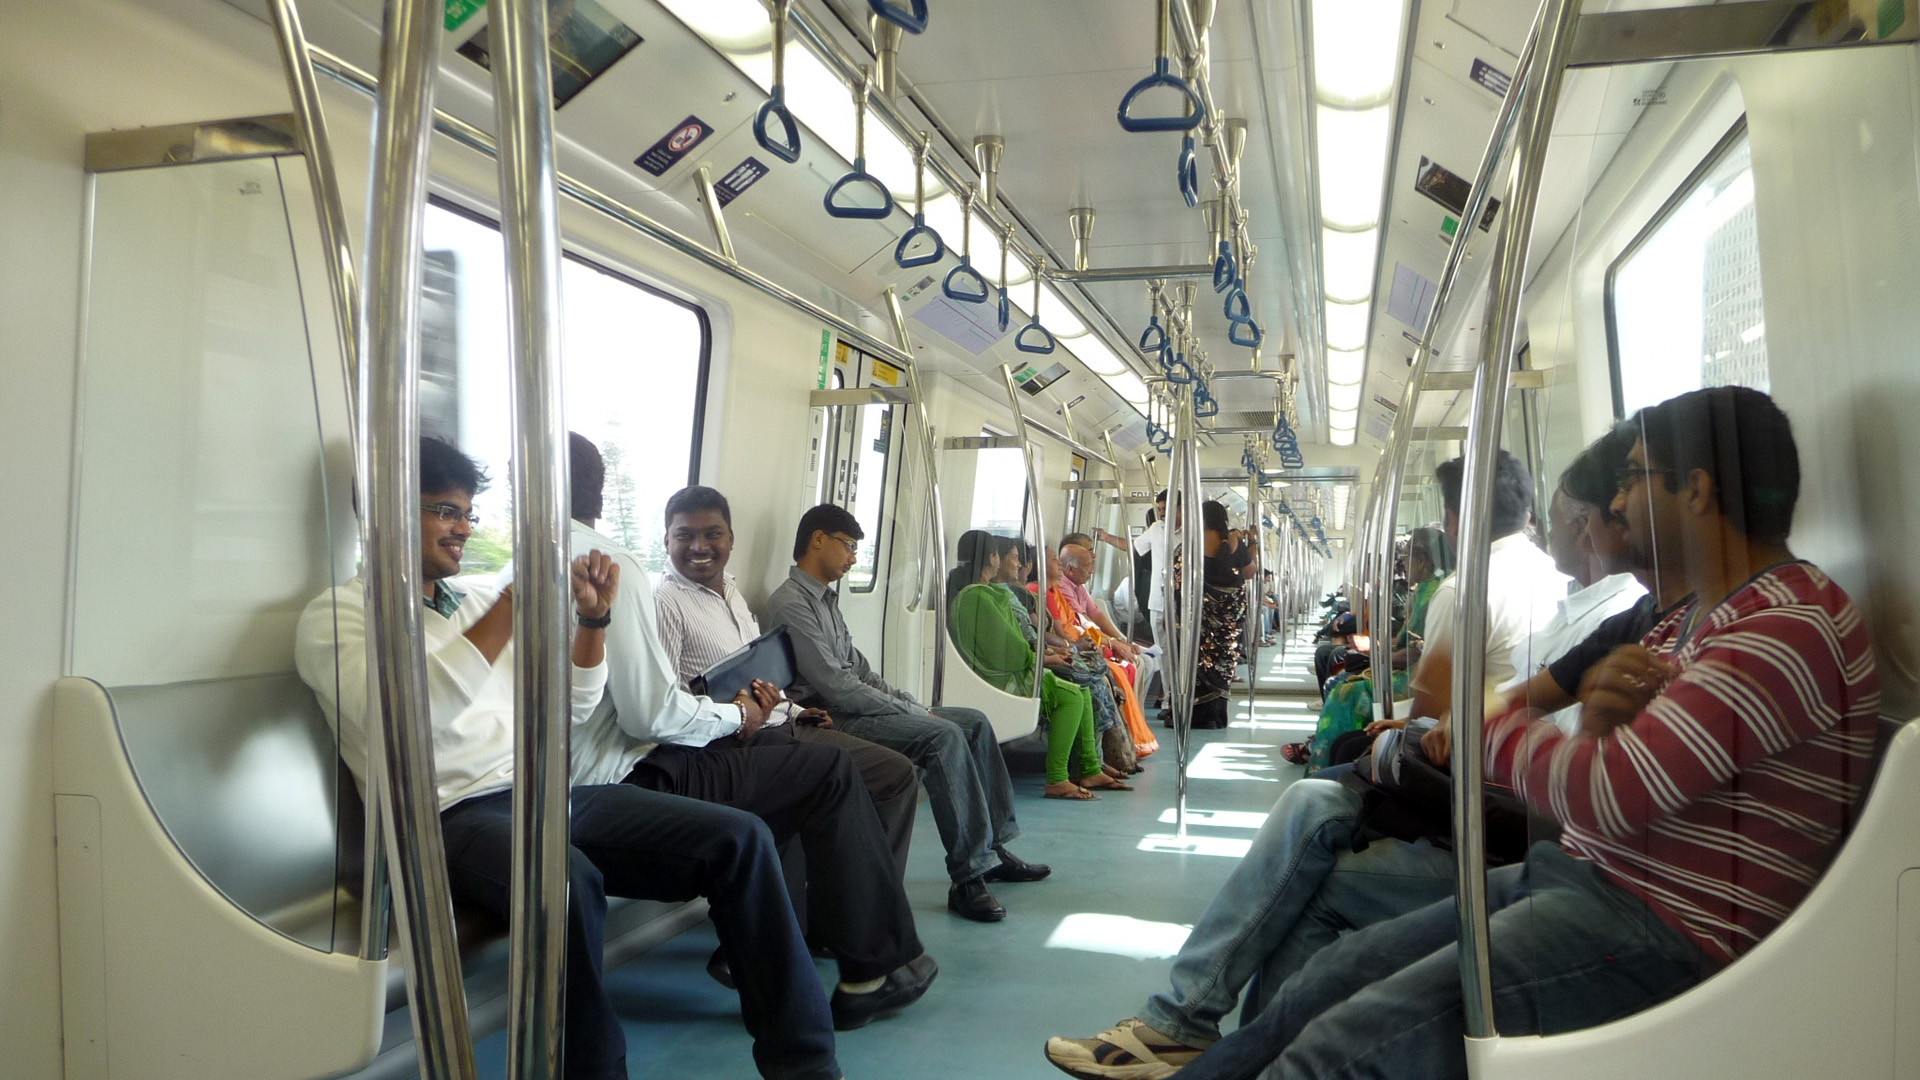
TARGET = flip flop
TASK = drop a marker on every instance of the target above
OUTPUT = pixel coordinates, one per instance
(1078, 794)
(1110, 785)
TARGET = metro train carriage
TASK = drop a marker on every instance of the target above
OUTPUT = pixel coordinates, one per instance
(553, 561)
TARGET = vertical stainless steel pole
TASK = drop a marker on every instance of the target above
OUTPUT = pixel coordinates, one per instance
(1030, 454)
(1553, 34)
(343, 283)
(1194, 577)
(1125, 513)
(530, 225)
(936, 510)
(390, 432)
(1256, 610)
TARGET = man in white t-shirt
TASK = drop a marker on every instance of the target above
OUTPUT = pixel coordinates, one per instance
(1153, 543)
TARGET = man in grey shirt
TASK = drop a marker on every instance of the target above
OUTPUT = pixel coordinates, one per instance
(955, 749)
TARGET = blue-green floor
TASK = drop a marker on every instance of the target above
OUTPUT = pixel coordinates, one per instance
(1076, 952)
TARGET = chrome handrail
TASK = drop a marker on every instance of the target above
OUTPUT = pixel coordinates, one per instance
(310, 119)
(390, 434)
(1538, 96)
(543, 664)
(1194, 571)
(1030, 456)
(936, 511)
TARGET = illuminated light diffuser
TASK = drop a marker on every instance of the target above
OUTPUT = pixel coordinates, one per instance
(1100, 359)
(1353, 146)
(1355, 50)
(1340, 436)
(1345, 366)
(1343, 396)
(1347, 325)
(1055, 315)
(1347, 263)
(1129, 386)
(729, 25)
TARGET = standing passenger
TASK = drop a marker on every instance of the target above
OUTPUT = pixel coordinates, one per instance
(1152, 542)
(955, 749)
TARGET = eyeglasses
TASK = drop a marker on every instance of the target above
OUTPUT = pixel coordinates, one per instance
(1632, 475)
(852, 546)
(449, 512)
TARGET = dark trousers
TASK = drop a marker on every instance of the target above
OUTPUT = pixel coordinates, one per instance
(810, 790)
(628, 841)
(892, 781)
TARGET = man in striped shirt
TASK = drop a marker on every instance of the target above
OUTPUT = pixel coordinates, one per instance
(1716, 770)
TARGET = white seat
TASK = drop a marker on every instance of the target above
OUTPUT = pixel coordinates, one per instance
(1013, 716)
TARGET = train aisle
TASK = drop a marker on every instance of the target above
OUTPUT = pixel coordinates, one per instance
(1075, 951)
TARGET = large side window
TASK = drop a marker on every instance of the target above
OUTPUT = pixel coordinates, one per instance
(634, 374)
(1684, 308)
(999, 490)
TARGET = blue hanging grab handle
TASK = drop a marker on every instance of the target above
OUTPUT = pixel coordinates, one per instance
(786, 148)
(920, 226)
(963, 282)
(1245, 333)
(1247, 460)
(1006, 311)
(1006, 298)
(1154, 337)
(1236, 307)
(1189, 170)
(1196, 112)
(1224, 272)
(1046, 344)
(1204, 404)
(1181, 372)
(911, 19)
(860, 176)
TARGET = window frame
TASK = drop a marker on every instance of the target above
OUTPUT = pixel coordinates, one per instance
(702, 378)
(1721, 148)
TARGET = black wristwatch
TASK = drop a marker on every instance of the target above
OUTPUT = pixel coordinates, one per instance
(600, 623)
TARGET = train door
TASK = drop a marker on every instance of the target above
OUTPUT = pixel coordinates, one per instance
(858, 438)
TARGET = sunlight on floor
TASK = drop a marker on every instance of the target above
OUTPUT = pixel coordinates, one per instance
(1225, 846)
(1235, 761)
(1219, 819)
(1118, 935)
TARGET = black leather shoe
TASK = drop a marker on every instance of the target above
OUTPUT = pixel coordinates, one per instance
(1014, 868)
(903, 986)
(970, 899)
(719, 970)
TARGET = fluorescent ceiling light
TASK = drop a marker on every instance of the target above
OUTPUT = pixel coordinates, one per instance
(1343, 396)
(1347, 263)
(1342, 419)
(1129, 386)
(1345, 366)
(1056, 316)
(821, 101)
(1341, 436)
(1100, 359)
(730, 25)
(1347, 325)
(1356, 49)
(1352, 146)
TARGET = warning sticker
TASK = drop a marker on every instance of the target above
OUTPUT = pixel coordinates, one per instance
(738, 180)
(674, 145)
(1491, 78)
(459, 11)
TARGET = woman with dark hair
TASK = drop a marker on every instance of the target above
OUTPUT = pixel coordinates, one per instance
(973, 550)
(988, 634)
(1223, 615)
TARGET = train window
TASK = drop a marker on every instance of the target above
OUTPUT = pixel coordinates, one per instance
(635, 372)
(870, 491)
(1074, 475)
(1684, 307)
(999, 489)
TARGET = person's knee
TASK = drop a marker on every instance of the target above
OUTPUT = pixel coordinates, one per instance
(586, 886)
(1316, 800)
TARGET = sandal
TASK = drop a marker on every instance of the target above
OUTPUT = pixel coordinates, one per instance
(1073, 793)
(1091, 784)
(1295, 753)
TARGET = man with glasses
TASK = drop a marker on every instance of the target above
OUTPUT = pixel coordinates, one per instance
(955, 749)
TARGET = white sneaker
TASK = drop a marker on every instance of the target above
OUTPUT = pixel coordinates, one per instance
(1129, 1050)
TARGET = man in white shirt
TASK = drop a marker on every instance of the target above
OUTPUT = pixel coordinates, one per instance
(703, 618)
(649, 733)
(626, 841)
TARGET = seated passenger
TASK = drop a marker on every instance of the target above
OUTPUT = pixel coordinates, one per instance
(959, 759)
(1076, 551)
(1716, 771)
(649, 733)
(702, 618)
(987, 633)
(1084, 666)
(1070, 604)
(626, 841)
(1302, 883)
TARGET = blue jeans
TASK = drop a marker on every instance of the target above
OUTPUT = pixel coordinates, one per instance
(628, 841)
(1299, 886)
(1386, 1001)
(965, 777)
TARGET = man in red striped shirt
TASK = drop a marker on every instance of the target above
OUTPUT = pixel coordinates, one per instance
(1718, 767)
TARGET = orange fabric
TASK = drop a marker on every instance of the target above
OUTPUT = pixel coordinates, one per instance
(1143, 741)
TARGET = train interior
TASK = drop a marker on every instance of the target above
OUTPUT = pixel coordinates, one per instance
(1286, 309)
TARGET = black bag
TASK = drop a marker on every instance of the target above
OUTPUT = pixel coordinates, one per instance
(1407, 797)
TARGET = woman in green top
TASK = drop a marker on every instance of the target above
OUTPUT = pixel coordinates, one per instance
(1428, 560)
(987, 633)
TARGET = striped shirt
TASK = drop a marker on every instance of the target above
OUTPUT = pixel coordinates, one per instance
(699, 628)
(1721, 803)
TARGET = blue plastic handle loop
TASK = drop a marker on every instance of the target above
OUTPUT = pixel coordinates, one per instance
(1166, 358)
(1042, 347)
(858, 176)
(932, 255)
(1180, 371)
(1204, 404)
(1154, 337)
(1246, 459)
(1006, 310)
(956, 284)
(913, 20)
(775, 108)
(1224, 271)
(1189, 170)
(1237, 299)
(1245, 333)
(1196, 112)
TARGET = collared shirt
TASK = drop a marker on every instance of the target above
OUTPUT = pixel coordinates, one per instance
(833, 675)
(1153, 541)
(1077, 596)
(644, 705)
(700, 627)
(1576, 619)
(1523, 595)
(469, 701)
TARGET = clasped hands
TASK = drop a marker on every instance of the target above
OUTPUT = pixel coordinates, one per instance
(758, 702)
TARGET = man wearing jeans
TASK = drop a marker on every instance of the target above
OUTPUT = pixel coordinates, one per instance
(962, 770)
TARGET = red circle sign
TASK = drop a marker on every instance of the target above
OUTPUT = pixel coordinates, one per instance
(684, 138)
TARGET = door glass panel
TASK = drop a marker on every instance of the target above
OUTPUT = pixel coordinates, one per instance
(873, 450)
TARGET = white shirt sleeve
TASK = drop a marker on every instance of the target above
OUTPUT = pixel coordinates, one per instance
(1440, 616)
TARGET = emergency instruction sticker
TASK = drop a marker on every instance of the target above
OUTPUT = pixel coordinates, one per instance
(738, 179)
(1491, 78)
(674, 145)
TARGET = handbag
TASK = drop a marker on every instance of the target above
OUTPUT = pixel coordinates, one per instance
(1406, 797)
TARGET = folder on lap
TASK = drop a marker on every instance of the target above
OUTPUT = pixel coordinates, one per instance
(768, 657)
